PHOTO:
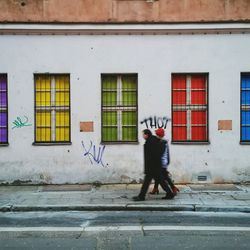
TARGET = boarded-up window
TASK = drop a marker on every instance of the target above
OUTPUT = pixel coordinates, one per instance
(189, 108)
(119, 108)
(52, 108)
(245, 107)
(3, 109)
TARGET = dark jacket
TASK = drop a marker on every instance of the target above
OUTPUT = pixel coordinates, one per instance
(165, 159)
(153, 151)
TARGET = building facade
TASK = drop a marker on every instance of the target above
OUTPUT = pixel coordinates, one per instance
(77, 90)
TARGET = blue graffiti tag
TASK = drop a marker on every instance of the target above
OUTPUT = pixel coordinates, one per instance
(156, 122)
(19, 123)
(93, 155)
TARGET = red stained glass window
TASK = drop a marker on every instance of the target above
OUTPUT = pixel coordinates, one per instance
(180, 117)
(179, 133)
(189, 108)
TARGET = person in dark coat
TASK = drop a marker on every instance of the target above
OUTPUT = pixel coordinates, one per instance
(165, 160)
(153, 151)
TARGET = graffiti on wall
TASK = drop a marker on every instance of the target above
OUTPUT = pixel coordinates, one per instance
(156, 122)
(95, 154)
(19, 122)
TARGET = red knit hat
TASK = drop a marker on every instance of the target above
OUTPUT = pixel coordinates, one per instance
(160, 132)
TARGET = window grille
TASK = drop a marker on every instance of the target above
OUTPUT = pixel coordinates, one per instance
(189, 108)
(245, 108)
(119, 108)
(52, 108)
(3, 109)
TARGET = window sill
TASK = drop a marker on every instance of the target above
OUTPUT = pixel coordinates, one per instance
(119, 143)
(4, 145)
(51, 143)
(191, 143)
(244, 142)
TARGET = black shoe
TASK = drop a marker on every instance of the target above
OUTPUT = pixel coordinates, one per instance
(138, 198)
(168, 197)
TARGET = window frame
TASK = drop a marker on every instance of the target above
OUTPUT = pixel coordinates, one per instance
(7, 112)
(51, 143)
(191, 142)
(117, 75)
(242, 142)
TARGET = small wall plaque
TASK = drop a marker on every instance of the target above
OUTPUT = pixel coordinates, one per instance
(86, 126)
(225, 125)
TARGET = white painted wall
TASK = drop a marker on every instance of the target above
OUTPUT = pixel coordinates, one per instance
(154, 58)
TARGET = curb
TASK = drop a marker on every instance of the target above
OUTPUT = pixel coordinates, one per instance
(97, 207)
(5, 208)
(204, 208)
(125, 207)
(139, 207)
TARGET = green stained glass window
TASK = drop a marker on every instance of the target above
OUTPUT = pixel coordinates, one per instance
(119, 108)
(109, 118)
(129, 118)
(109, 91)
(129, 134)
(109, 98)
(129, 91)
(109, 134)
(128, 98)
(129, 82)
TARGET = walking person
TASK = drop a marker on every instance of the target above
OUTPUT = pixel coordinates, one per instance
(153, 151)
(165, 160)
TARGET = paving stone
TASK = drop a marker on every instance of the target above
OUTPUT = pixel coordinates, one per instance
(214, 187)
(245, 196)
(119, 197)
(112, 187)
(66, 188)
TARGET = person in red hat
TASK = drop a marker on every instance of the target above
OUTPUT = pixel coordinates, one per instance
(165, 160)
(153, 150)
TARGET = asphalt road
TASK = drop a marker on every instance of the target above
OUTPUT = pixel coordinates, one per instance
(124, 230)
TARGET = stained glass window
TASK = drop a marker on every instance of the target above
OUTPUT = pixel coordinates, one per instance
(189, 108)
(245, 107)
(52, 108)
(119, 108)
(3, 109)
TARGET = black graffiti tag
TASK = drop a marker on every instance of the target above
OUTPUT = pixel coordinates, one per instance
(156, 122)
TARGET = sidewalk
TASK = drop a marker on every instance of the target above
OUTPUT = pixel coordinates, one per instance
(117, 197)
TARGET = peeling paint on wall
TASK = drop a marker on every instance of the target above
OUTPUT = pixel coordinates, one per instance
(45, 178)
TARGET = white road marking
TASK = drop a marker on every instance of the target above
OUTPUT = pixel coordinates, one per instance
(41, 229)
(123, 228)
(195, 228)
(112, 228)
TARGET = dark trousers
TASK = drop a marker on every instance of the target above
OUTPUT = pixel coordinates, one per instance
(147, 181)
(166, 177)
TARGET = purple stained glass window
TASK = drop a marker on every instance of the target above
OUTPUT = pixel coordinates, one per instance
(3, 109)
(3, 119)
(3, 99)
(3, 135)
(3, 83)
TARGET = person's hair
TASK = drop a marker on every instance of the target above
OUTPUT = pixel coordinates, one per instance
(147, 132)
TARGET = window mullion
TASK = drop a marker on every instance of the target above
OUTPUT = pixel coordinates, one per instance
(53, 110)
(119, 112)
(206, 107)
(189, 112)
